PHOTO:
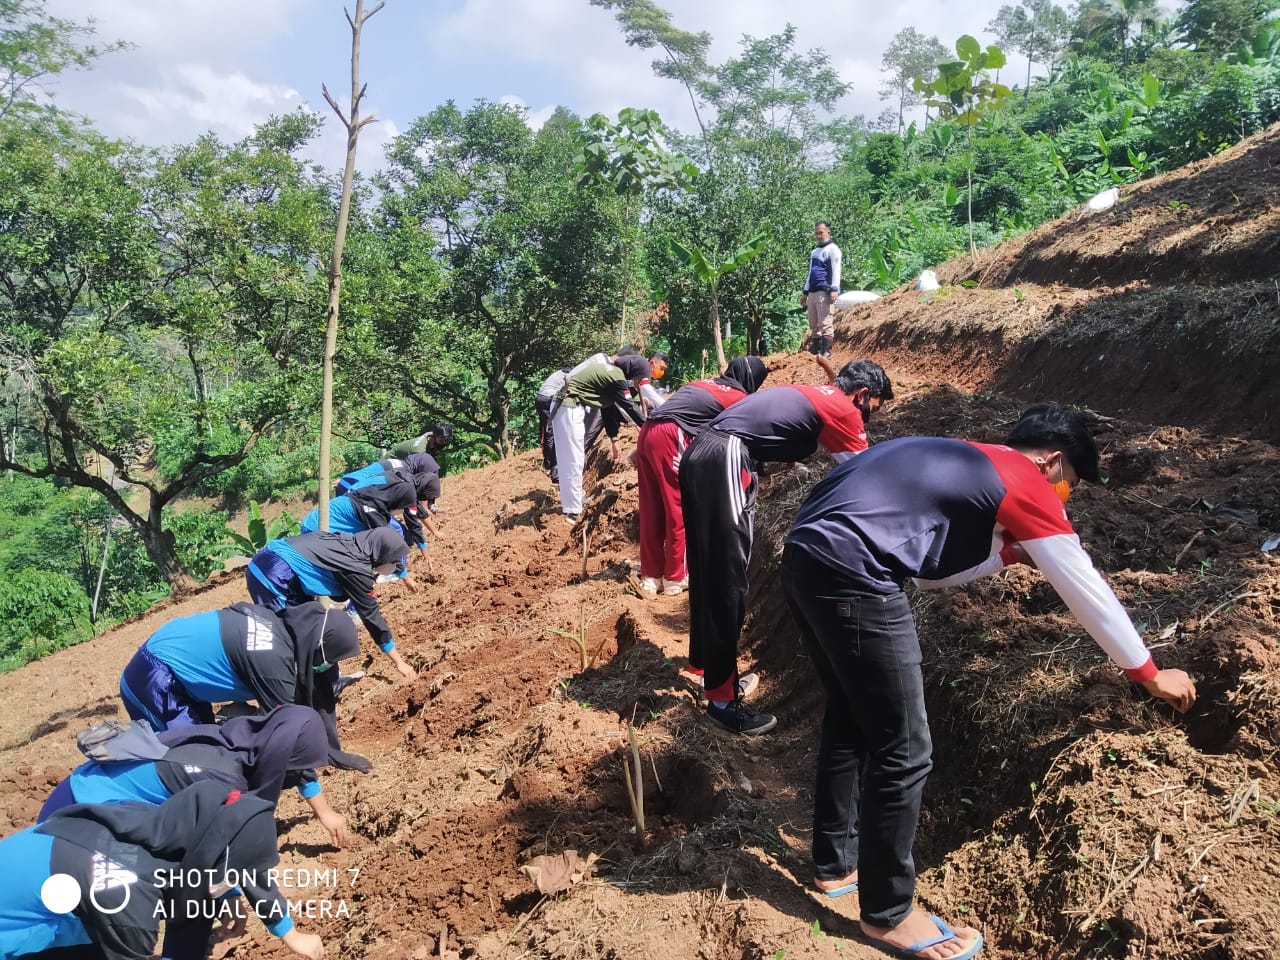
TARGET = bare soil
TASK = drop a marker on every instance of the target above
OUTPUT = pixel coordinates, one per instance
(1068, 816)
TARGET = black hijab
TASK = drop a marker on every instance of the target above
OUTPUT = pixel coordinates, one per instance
(322, 636)
(745, 373)
(289, 739)
(200, 828)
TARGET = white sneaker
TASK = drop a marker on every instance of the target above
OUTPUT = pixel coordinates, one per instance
(650, 585)
(675, 588)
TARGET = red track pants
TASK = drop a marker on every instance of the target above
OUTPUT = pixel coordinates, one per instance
(661, 522)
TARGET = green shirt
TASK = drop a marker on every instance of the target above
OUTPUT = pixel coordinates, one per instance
(596, 386)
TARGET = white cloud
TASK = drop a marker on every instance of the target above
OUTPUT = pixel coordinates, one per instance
(226, 65)
(584, 46)
(329, 149)
(534, 118)
(195, 98)
(180, 28)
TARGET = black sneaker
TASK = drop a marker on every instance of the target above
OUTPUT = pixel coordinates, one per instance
(738, 718)
(747, 683)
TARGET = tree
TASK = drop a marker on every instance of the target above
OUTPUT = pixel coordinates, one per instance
(1100, 23)
(910, 55)
(528, 255)
(704, 271)
(353, 123)
(646, 25)
(964, 93)
(629, 158)
(1221, 27)
(770, 92)
(35, 46)
(1036, 29)
(148, 300)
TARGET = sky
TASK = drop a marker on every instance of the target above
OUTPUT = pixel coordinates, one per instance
(226, 65)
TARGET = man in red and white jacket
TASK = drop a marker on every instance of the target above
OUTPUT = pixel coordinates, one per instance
(940, 512)
(718, 496)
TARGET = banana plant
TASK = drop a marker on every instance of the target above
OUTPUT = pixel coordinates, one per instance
(260, 532)
(704, 271)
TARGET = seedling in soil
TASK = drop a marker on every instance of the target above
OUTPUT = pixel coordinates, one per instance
(635, 782)
(580, 638)
(780, 953)
(816, 931)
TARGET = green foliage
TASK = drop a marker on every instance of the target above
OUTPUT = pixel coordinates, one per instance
(884, 154)
(965, 94)
(528, 256)
(628, 155)
(119, 338)
(35, 47)
(910, 56)
(201, 539)
(39, 612)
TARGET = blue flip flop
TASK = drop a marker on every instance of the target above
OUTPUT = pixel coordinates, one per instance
(945, 934)
(839, 891)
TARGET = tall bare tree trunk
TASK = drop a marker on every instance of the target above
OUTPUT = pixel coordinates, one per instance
(353, 123)
(715, 328)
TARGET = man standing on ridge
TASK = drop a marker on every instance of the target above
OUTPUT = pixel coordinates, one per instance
(821, 288)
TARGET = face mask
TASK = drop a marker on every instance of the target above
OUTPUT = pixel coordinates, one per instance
(865, 408)
(1063, 490)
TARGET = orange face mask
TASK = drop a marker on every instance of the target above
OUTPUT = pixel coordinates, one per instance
(656, 370)
(1063, 490)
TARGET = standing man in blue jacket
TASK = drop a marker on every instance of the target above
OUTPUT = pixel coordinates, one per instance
(821, 288)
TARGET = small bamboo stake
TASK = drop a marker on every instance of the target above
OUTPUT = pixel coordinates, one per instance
(635, 786)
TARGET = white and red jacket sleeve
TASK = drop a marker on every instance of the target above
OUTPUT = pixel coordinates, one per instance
(1035, 518)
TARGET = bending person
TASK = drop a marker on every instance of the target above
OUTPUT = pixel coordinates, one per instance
(116, 854)
(941, 512)
(294, 570)
(669, 429)
(597, 386)
(257, 755)
(718, 497)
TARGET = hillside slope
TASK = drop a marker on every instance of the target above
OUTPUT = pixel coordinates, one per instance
(1067, 816)
(1165, 307)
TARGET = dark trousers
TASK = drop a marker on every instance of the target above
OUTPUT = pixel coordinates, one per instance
(151, 692)
(875, 753)
(545, 437)
(718, 501)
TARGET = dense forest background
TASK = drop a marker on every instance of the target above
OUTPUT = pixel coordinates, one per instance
(163, 310)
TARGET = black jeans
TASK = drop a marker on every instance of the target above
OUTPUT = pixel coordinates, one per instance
(875, 753)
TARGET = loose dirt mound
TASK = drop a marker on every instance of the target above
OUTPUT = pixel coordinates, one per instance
(1068, 816)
